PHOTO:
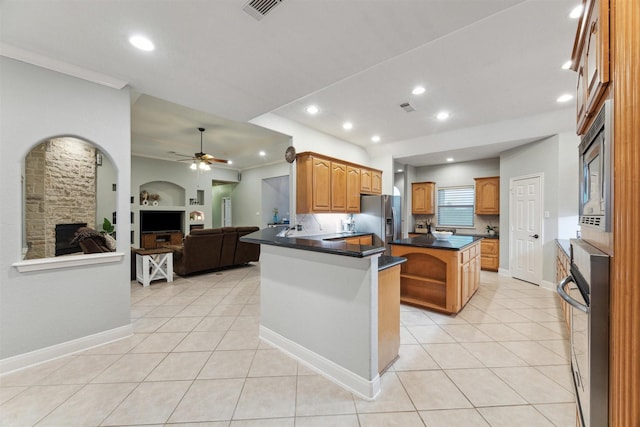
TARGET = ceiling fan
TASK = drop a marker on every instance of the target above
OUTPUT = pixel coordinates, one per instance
(201, 160)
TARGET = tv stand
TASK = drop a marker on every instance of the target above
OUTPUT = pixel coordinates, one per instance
(160, 239)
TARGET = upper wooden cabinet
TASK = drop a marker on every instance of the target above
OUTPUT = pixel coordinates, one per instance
(338, 186)
(488, 196)
(423, 198)
(353, 189)
(365, 181)
(325, 184)
(590, 58)
(376, 182)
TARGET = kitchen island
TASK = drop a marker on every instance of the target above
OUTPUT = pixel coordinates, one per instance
(319, 303)
(439, 274)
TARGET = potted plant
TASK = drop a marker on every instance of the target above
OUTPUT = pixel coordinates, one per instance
(491, 230)
(107, 227)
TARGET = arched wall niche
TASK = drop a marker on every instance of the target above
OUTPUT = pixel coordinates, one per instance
(67, 179)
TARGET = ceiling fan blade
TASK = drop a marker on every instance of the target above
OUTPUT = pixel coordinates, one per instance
(209, 158)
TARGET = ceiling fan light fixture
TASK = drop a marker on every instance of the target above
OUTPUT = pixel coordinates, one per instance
(193, 166)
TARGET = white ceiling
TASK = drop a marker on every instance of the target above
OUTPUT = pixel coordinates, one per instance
(484, 61)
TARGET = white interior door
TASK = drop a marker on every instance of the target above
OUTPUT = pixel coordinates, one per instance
(226, 212)
(525, 239)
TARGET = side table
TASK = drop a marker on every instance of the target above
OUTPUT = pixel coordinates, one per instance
(154, 264)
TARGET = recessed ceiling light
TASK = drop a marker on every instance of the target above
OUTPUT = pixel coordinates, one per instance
(449, 159)
(576, 12)
(399, 170)
(347, 126)
(567, 65)
(262, 153)
(418, 90)
(312, 109)
(442, 115)
(564, 98)
(229, 162)
(142, 43)
(375, 138)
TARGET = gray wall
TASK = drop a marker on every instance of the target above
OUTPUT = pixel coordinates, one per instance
(106, 176)
(46, 308)
(218, 192)
(460, 174)
(276, 194)
(558, 163)
(246, 197)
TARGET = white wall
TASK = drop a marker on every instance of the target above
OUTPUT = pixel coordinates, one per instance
(47, 308)
(547, 158)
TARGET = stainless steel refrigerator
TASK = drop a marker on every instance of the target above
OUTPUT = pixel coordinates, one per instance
(380, 215)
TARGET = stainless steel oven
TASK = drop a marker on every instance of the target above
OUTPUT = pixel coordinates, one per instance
(586, 289)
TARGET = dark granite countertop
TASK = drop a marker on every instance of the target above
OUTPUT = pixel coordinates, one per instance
(485, 235)
(455, 242)
(326, 243)
(388, 261)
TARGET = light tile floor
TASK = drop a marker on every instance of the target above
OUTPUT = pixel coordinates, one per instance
(195, 359)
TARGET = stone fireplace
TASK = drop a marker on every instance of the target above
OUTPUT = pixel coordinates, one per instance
(60, 188)
(64, 237)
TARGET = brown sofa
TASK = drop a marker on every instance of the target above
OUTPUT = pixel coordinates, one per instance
(213, 248)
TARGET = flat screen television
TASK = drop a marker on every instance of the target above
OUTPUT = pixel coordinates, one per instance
(161, 221)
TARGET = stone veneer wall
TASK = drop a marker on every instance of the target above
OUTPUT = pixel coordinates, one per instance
(60, 188)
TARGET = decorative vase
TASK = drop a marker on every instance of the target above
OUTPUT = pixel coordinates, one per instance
(275, 218)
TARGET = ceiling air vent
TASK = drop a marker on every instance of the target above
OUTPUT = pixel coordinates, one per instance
(407, 107)
(259, 8)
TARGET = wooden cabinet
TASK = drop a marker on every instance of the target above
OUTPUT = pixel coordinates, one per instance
(490, 254)
(423, 198)
(353, 189)
(562, 271)
(360, 240)
(469, 273)
(376, 182)
(325, 184)
(590, 59)
(370, 181)
(438, 279)
(488, 196)
(338, 186)
(158, 240)
(388, 316)
(365, 181)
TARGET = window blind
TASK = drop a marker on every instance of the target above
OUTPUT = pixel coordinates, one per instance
(455, 206)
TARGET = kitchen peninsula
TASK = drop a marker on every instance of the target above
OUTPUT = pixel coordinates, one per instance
(439, 274)
(320, 303)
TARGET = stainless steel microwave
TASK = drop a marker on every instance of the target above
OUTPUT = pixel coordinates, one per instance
(595, 196)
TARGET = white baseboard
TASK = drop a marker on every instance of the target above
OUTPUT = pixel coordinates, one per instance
(367, 389)
(504, 272)
(550, 286)
(36, 357)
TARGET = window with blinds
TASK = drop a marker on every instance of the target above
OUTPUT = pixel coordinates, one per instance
(455, 206)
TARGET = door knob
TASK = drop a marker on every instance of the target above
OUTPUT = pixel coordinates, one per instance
(535, 236)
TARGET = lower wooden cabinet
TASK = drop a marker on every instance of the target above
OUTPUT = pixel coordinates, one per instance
(490, 254)
(360, 240)
(562, 271)
(388, 317)
(438, 279)
(158, 240)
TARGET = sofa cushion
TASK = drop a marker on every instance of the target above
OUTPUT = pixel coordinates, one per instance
(204, 231)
